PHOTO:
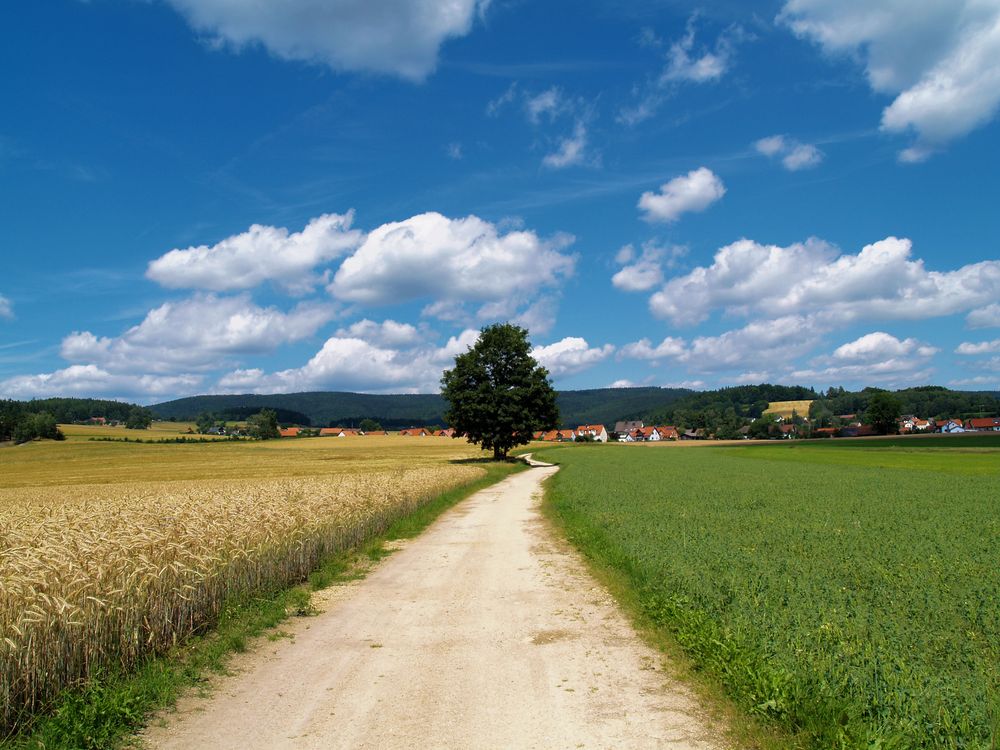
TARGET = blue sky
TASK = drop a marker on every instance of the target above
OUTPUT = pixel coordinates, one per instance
(210, 196)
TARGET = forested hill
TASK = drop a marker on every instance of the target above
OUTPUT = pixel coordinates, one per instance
(322, 408)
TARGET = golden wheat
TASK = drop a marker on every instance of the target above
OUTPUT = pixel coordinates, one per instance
(100, 576)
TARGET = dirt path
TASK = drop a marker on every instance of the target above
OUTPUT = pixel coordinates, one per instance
(484, 632)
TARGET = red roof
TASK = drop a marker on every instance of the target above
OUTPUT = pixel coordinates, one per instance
(413, 432)
(667, 432)
(597, 429)
(329, 431)
(978, 423)
(290, 432)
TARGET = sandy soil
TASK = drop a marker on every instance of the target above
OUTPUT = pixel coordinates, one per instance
(484, 632)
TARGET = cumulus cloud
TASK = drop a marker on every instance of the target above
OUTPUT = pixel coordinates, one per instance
(938, 58)
(571, 151)
(641, 273)
(387, 333)
(6, 308)
(91, 380)
(794, 155)
(760, 343)
(877, 356)
(349, 363)
(879, 345)
(984, 317)
(397, 37)
(693, 192)
(570, 355)
(262, 253)
(982, 347)
(669, 348)
(882, 281)
(199, 333)
(451, 261)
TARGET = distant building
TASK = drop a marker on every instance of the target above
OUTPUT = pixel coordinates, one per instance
(983, 424)
(596, 431)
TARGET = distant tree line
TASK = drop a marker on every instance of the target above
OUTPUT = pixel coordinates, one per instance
(724, 412)
(928, 402)
(21, 425)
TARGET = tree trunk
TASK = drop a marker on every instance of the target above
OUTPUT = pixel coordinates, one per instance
(498, 454)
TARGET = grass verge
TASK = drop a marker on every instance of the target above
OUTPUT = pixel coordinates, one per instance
(107, 711)
(740, 728)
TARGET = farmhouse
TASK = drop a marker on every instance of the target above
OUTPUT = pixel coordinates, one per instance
(414, 432)
(645, 435)
(596, 431)
(624, 428)
(668, 432)
(290, 432)
(983, 424)
(950, 425)
(331, 431)
(450, 432)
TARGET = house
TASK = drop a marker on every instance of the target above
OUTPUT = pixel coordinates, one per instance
(377, 433)
(449, 432)
(539, 435)
(596, 431)
(290, 431)
(921, 425)
(668, 432)
(97, 420)
(559, 436)
(906, 423)
(330, 431)
(864, 430)
(693, 435)
(825, 432)
(983, 424)
(414, 432)
(950, 425)
(788, 430)
(646, 435)
(624, 428)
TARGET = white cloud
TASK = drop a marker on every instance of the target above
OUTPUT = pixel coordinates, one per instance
(693, 192)
(351, 363)
(771, 146)
(623, 383)
(549, 102)
(669, 348)
(939, 58)
(691, 385)
(260, 254)
(990, 381)
(202, 332)
(6, 308)
(794, 155)
(398, 37)
(705, 65)
(984, 317)
(454, 151)
(91, 380)
(570, 355)
(572, 150)
(982, 347)
(880, 282)
(759, 343)
(875, 357)
(642, 273)
(494, 106)
(387, 333)
(873, 347)
(451, 261)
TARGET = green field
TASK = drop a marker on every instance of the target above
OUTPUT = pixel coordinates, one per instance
(853, 596)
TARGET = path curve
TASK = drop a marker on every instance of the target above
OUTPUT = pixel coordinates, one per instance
(484, 632)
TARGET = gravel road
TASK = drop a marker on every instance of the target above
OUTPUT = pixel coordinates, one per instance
(484, 632)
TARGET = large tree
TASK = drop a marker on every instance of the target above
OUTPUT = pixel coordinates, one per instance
(498, 394)
(883, 412)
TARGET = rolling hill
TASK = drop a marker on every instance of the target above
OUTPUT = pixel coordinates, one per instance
(601, 405)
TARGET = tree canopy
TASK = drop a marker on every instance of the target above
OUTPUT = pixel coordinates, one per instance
(498, 395)
(883, 412)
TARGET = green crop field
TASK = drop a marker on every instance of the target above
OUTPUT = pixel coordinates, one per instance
(853, 596)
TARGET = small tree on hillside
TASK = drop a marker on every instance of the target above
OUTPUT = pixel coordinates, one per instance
(498, 394)
(369, 425)
(138, 418)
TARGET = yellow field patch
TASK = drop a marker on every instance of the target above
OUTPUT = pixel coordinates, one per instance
(785, 408)
(156, 431)
(112, 551)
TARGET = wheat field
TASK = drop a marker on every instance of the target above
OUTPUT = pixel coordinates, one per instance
(111, 552)
(785, 408)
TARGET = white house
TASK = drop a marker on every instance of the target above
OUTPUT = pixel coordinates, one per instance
(596, 431)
